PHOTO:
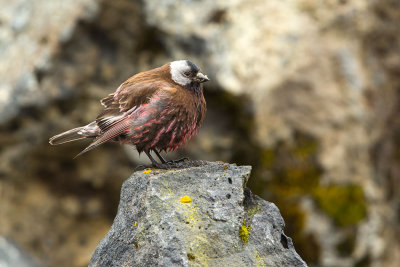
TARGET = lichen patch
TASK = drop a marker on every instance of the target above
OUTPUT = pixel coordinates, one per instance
(244, 232)
(186, 199)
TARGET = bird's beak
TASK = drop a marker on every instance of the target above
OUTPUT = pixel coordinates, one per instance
(201, 78)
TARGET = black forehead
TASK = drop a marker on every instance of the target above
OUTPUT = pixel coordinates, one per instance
(192, 66)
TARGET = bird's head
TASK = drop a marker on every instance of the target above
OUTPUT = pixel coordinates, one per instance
(186, 73)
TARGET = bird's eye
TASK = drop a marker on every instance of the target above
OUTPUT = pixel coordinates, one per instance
(187, 73)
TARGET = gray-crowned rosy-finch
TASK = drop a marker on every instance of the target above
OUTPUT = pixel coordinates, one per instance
(156, 110)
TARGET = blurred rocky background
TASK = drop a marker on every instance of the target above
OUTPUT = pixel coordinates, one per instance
(307, 92)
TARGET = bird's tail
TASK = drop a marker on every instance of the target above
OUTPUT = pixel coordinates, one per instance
(68, 136)
(89, 131)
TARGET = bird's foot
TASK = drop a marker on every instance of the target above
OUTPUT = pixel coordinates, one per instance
(164, 166)
(177, 160)
(167, 165)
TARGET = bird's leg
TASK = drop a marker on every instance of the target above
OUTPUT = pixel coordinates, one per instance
(154, 163)
(163, 165)
(163, 161)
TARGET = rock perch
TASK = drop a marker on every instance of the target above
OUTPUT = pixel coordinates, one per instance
(198, 215)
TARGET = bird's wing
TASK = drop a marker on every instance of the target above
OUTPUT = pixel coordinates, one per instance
(133, 93)
(137, 90)
(120, 107)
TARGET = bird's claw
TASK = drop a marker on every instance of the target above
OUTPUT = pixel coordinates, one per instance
(166, 165)
(177, 160)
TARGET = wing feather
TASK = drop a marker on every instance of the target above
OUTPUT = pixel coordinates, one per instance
(129, 96)
(122, 104)
(118, 129)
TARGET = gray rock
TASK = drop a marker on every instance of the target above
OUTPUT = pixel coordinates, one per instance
(30, 35)
(11, 255)
(224, 224)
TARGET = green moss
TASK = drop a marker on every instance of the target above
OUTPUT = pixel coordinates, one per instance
(344, 204)
(267, 158)
(252, 211)
(289, 171)
(244, 232)
(293, 167)
(305, 149)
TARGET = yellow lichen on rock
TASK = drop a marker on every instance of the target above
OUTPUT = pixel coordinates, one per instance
(259, 259)
(197, 242)
(186, 199)
(244, 232)
(147, 171)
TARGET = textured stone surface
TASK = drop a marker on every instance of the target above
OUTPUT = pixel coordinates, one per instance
(156, 226)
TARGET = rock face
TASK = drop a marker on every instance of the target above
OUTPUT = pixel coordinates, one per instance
(199, 215)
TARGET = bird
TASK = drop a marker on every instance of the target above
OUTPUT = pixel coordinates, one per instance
(155, 110)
